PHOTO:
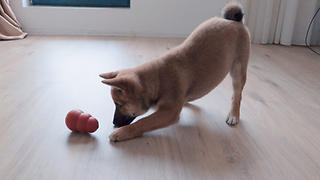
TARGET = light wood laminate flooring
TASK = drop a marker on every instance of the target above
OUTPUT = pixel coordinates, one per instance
(42, 78)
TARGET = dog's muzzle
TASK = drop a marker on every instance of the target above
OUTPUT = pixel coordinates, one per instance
(121, 120)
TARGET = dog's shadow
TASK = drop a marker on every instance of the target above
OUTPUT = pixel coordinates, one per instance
(201, 142)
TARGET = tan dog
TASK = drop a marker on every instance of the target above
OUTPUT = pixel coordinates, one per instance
(187, 72)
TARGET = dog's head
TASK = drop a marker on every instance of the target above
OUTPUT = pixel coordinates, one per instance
(127, 94)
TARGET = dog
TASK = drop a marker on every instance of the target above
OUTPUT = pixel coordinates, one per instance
(185, 73)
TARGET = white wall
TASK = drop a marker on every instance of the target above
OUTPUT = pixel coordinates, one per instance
(316, 29)
(306, 10)
(145, 18)
(172, 18)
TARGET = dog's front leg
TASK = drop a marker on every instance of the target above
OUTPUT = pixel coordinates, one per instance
(163, 117)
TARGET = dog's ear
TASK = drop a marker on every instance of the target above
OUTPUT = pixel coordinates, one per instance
(109, 75)
(111, 79)
(115, 82)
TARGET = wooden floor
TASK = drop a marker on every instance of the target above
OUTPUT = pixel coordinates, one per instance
(44, 77)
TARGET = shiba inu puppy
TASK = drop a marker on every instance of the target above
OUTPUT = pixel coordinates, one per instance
(187, 72)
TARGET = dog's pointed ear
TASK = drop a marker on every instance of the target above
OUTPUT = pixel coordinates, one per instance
(109, 75)
(111, 79)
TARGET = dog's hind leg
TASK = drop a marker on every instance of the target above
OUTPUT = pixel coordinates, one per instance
(238, 73)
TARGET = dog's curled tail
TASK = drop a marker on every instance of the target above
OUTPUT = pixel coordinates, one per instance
(233, 11)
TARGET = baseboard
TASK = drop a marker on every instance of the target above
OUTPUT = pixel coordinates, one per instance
(64, 31)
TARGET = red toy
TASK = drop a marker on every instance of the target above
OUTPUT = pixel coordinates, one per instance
(78, 121)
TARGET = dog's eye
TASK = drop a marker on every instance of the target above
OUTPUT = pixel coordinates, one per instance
(119, 105)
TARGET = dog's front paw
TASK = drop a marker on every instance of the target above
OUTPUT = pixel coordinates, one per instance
(232, 121)
(121, 134)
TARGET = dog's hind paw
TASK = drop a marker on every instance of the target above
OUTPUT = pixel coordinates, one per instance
(232, 121)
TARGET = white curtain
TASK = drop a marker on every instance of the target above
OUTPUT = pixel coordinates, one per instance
(282, 21)
(9, 25)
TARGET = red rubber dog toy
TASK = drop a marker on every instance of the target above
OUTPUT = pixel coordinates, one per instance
(78, 121)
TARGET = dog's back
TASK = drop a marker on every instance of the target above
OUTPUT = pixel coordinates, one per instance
(210, 51)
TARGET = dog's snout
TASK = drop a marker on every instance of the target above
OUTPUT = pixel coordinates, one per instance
(122, 120)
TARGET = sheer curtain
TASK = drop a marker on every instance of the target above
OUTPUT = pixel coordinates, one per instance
(281, 21)
(9, 25)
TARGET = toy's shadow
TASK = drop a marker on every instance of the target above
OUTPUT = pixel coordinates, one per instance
(82, 142)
